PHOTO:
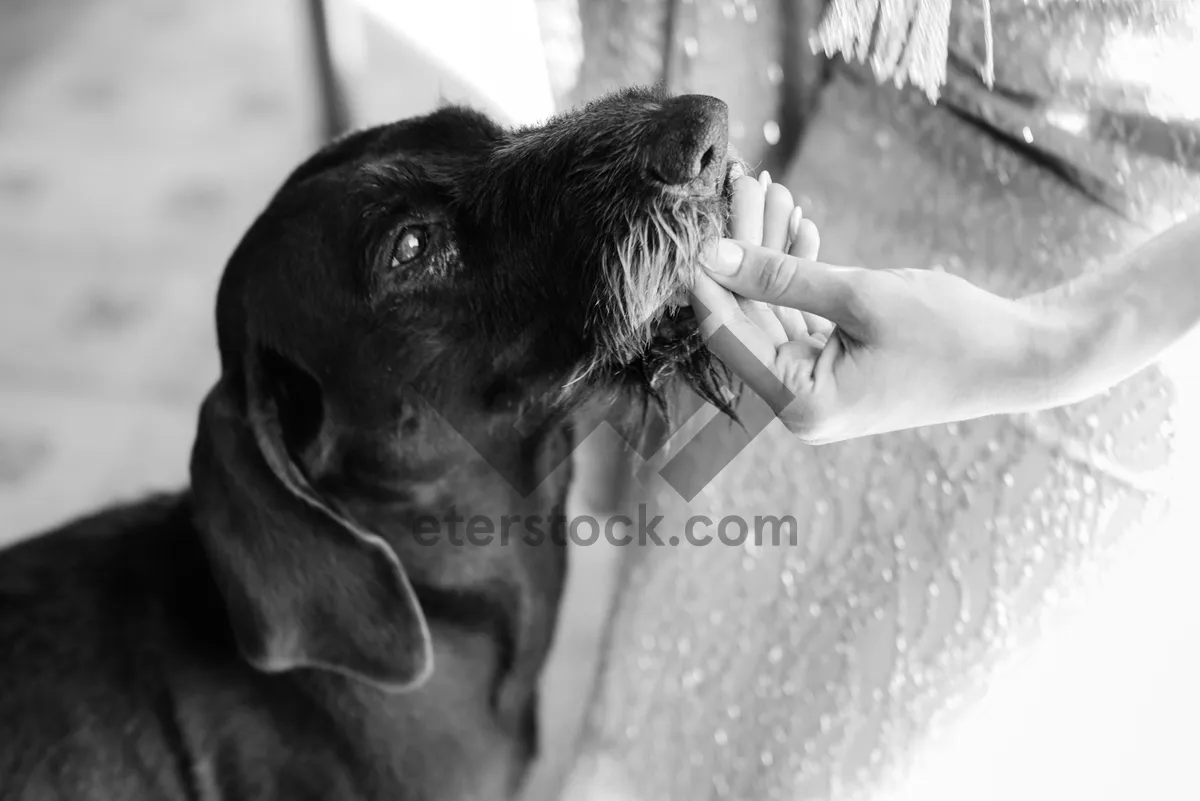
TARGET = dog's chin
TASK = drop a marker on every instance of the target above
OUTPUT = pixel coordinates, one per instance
(676, 357)
(665, 350)
(649, 337)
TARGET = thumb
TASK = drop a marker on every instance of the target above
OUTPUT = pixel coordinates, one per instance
(773, 277)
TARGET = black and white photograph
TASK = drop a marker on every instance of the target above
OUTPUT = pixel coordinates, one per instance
(599, 400)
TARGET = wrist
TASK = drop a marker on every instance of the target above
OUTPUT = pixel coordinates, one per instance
(1059, 341)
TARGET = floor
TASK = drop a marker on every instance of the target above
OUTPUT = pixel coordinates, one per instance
(137, 141)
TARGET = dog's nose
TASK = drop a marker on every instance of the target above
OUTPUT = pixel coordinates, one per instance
(688, 145)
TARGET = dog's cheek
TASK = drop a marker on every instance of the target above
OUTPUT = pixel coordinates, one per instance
(502, 394)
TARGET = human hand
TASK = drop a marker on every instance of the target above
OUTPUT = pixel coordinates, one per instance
(873, 350)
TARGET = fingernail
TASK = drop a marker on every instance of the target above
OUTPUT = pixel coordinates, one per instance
(794, 222)
(728, 258)
(764, 178)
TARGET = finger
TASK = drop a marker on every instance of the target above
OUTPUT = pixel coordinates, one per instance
(806, 244)
(746, 210)
(764, 316)
(792, 322)
(777, 204)
(806, 239)
(749, 199)
(772, 277)
(716, 308)
(817, 326)
(795, 363)
(739, 344)
(777, 211)
(795, 322)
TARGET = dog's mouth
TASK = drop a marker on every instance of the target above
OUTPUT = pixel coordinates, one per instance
(716, 210)
(652, 271)
(654, 334)
(681, 299)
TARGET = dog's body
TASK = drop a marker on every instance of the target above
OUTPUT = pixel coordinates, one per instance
(121, 680)
(303, 623)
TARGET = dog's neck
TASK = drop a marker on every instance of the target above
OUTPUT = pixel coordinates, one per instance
(483, 541)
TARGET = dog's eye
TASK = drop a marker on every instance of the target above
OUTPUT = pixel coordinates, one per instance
(410, 245)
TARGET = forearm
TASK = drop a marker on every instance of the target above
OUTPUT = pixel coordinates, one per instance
(1098, 330)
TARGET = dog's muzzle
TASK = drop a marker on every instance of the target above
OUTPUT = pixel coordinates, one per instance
(689, 155)
(687, 152)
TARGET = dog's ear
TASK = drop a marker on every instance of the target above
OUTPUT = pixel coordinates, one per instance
(304, 585)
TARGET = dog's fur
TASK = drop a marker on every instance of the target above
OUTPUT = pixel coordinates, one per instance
(277, 631)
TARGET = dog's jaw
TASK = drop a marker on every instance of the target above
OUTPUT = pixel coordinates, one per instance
(652, 339)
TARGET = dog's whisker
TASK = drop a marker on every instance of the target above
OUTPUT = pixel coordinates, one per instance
(582, 375)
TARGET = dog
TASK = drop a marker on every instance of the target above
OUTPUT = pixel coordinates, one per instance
(407, 333)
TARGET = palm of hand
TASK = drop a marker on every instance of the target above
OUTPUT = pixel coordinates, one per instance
(896, 348)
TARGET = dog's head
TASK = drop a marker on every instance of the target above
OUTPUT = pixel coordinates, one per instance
(418, 296)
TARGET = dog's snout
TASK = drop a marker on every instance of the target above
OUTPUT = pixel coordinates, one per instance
(689, 144)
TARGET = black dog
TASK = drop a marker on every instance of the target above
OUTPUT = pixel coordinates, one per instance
(405, 333)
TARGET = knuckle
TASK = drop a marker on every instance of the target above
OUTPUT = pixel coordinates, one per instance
(775, 278)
